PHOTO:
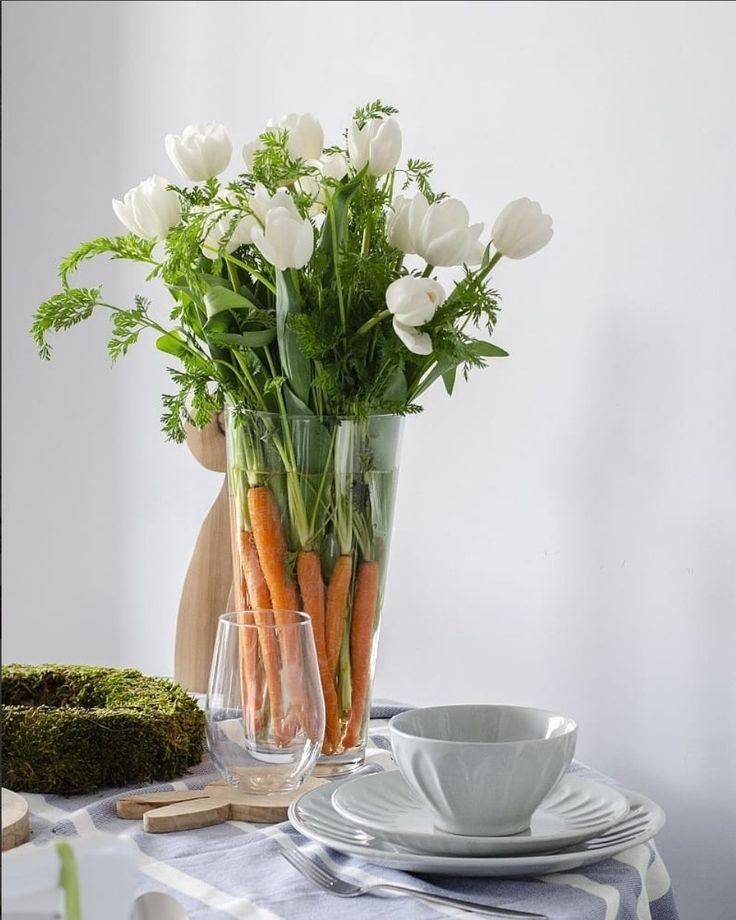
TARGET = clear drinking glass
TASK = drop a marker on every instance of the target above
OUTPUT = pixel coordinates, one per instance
(265, 711)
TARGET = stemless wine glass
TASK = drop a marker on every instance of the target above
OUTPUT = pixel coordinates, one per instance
(265, 710)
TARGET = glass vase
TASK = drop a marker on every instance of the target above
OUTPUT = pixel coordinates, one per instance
(311, 509)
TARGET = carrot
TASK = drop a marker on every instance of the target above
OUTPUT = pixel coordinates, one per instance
(337, 601)
(271, 546)
(240, 588)
(312, 587)
(259, 599)
(361, 644)
(249, 683)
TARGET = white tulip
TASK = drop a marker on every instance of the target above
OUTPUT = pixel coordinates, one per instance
(440, 232)
(377, 144)
(285, 241)
(150, 209)
(261, 202)
(306, 137)
(521, 229)
(226, 223)
(201, 151)
(334, 167)
(413, 302)
(248, 150)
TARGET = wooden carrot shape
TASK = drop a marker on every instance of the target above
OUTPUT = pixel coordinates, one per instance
(312, 587)
(365, 600)
(337, 602)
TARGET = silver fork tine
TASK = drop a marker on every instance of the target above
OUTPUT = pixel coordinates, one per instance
(307, 867)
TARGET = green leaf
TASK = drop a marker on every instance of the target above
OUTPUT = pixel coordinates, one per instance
(396, 388)
(440, 368)
(487, 349)
(171, 343)
(130, 247)
(62, 311)
(337, 216)
(256, 338)
(448, 378)
(215, 280)
(293, 362)
(312, 441)
(220, 299)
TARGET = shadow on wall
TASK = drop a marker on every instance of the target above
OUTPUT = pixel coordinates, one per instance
(650, 585)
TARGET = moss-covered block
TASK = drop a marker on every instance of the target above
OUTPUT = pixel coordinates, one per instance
(73, 729)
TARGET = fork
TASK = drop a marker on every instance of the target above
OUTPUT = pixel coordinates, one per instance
(318, 873)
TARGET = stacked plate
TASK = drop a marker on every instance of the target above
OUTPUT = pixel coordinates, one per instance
(379, 818)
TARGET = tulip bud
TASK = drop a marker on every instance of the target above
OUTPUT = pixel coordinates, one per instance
(333, 167)
(261, 202)
(250, 148)
(201, 152)
(440, 232)
(521, 229)
(306, 137)
(377, 144)
(150, 209)
(286, 240)
(414, 302)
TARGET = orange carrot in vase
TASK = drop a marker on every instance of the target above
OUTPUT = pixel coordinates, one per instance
(312, 587)
(338, 595)
(271, 548)
(259, 600)
(251, 689)
(269, 539)
(338, 592)
(365, 601)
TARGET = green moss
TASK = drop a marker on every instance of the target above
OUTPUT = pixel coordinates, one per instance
(73, 729)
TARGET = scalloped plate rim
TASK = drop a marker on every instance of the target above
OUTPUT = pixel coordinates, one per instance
(441, 843)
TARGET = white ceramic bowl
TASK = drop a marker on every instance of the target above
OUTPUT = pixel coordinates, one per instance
(482, 770)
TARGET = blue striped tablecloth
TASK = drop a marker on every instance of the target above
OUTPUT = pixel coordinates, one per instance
(234, 869)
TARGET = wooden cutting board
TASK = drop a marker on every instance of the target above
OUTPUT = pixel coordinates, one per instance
(188, 809)
(15, 819)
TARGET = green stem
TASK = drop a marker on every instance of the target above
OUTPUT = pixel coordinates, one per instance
(232, 273)
(484, 272)
(344, 679)
(251, 271)
(338, 281)
(297, 507)
(427, 271)
(247, 375)
(373, 321)
(152, 324)
(321, 487)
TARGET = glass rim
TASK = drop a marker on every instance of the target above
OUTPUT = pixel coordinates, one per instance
(303, 416)
(302, 619)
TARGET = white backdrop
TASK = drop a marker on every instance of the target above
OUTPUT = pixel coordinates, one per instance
(566, 527)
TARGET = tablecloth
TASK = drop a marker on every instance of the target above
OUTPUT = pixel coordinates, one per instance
(235, 870)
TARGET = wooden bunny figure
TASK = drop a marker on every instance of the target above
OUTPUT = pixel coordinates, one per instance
(207, 590)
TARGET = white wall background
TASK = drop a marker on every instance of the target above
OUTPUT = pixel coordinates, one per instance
(566, 528)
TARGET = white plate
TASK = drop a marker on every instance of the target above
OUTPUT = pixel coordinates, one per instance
(315, 816)
(384, 805)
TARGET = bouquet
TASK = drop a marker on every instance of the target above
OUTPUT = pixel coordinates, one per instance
(316, 297)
